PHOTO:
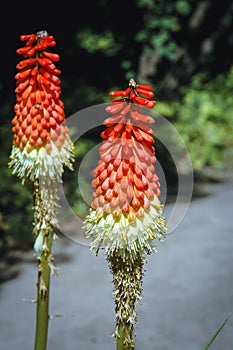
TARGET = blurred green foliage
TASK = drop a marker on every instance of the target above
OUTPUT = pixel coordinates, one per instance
(16, 203)
(92, 42)
(203, 115)
(163, 18)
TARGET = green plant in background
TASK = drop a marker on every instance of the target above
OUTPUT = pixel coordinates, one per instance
(203, 115)
(93, 42)
(162, 20)
(15, 229)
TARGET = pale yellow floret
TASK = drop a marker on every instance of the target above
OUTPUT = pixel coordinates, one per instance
(121, 234)
(40, 163)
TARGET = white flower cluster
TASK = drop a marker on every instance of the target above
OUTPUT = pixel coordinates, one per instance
(40, 162)
(122, 235)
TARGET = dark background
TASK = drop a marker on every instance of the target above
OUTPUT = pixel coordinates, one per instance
(204, 38)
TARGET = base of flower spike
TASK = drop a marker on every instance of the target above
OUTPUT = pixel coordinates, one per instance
(127, 293)
(40, 162)
(46, 204)
(125, 236)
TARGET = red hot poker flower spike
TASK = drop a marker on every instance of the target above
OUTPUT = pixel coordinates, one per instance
(41, 147)
(126, 214)
(41, 144)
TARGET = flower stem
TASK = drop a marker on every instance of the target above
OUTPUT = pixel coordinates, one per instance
(43, 287)
(127, 278)
(122, 344)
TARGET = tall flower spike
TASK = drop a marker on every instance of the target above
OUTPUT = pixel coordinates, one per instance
(41, 144)
(41, 148)
(125, 217)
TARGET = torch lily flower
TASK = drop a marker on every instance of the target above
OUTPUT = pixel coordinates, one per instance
(126, 214)
(125, 217)
(41, 148)
(41, 144)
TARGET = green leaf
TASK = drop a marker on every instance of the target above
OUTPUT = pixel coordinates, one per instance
(183, 7)
(94, 42)
(216, 334)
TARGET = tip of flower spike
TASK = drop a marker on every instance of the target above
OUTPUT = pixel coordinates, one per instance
(132, 83)
(135, 93)
(42, 34)
(35, 43)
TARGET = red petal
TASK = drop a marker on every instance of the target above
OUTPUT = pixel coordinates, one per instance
(144, 87)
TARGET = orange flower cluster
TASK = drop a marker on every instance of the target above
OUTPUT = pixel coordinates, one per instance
(38, 110)
(41, 144)
(125, 179)
(125, 216)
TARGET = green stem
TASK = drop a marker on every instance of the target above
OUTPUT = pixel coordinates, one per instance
(127, 278)
(43, 286)
(121, 344)
(216, 334)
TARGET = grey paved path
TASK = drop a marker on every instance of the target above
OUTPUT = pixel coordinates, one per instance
(187, 289)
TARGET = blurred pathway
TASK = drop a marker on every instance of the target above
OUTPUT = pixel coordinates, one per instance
(187, 289)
